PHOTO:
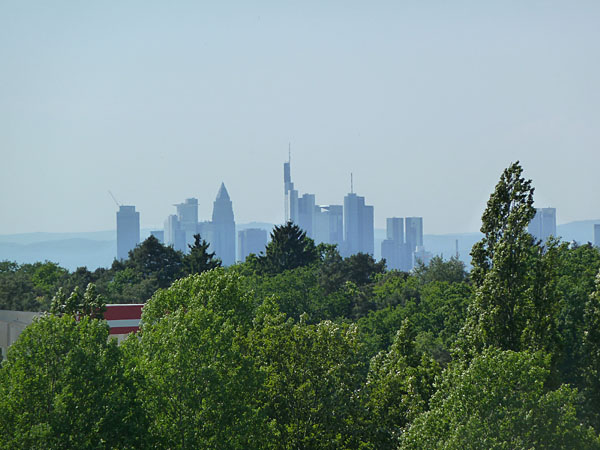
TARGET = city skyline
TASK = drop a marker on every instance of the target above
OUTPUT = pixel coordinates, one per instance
(424, 104)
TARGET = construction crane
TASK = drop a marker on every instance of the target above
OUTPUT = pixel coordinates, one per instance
(113, 197)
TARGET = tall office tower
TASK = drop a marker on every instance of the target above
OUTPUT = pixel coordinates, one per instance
(291, 195)
(174, 236)
(206, 232)
(359, 234)
(543, 225)
(251, 240)
(395, 229)
(329, 225)
(128, 230)
(414, 240)
(306, 214)
(393, 248)
(597, 235)
(223, 224)
(187, 214)
(414, 232)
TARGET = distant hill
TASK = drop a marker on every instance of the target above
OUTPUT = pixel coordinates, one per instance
(98, 248)
(68, 253)
(581, 231)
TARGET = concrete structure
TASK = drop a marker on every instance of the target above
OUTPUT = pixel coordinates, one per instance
(597, 235)
(543, 225)
(251, 240)
(12, 324)
(359, 233)
(128, 230)
(223, 224)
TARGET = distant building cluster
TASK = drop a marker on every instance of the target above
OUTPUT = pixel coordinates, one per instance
(403, 246)
(351, 226)
(180, 228)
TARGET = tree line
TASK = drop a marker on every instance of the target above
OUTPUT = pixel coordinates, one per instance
(301, 348)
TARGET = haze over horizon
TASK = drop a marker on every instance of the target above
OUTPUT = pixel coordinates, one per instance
(425, 103)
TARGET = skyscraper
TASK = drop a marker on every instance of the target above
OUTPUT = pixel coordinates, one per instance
(251, 240)
(414, 232)
(359, 234)
(291, 195)
(392, 246)
(597, 235)
(395, 229)
(223, 224)
(543, 225)
(329, 225)
(187, 215)
(128, 230)
(174, 236)
(306, 214)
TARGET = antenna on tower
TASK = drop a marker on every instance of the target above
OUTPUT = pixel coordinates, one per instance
(289, 152)
(351, 184)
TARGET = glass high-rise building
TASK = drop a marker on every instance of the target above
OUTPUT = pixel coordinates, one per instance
(251, 240)
(543, 225)
(187, 215)
(223, 227)
(359, 233)
(128, 230)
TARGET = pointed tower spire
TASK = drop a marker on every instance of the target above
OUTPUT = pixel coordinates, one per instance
(223, 194)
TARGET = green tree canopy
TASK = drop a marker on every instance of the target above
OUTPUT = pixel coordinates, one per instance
(152, 260)
(200, 383)
(90, 304)
(499, 401)
(515, 304)
(64, 386)
(199, 259)
(400, 384)
(452, 271)
(289, 248)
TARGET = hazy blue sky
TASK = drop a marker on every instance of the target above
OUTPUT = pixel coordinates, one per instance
(424, 101)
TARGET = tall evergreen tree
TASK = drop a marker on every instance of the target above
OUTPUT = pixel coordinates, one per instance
(199, 259)
(152, 260)
(289, 248)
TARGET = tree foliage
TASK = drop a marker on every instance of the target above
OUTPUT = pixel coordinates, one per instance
(199, 259)
(498, 401)
(514, 307)
(64, 386)
(288, 249)
(90, 304)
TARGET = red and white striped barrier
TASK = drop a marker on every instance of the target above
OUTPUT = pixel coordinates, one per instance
(123, 319)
